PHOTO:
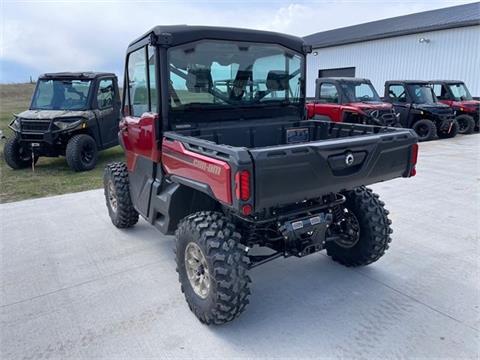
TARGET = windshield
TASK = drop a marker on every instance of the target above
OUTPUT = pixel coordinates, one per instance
(460, 92)
(221, 73)
(422, 94)
(61, 95)
(360, 92)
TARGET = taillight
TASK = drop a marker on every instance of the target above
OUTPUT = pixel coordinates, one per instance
(242, 185)
(413, 159)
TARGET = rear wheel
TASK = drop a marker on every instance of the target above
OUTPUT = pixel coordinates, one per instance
(425, 129)
(364, 232)
(212, 267)
(117, 195)
(16, 156)
(449, 134)
(81, 153)
(466, 124)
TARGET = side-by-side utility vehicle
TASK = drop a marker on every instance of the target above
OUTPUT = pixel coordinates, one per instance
(419, 109)
(71, 114)
(350, 100)
(237, 172)
(456, 95)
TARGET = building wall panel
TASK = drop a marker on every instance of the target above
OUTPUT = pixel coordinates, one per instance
(452, 54)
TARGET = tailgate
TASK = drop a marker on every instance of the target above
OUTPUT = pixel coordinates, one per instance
(290, 173)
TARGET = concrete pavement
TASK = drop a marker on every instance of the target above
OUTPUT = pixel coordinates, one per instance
(74, 286)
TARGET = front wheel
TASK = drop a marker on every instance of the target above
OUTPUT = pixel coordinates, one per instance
(81, 153)
(466, 124)
(425, 129)
(16, 156)
(117, 196)
(364, 231)
(212, 267)
(451, 132)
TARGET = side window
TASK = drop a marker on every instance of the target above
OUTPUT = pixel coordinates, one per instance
(397, 93)
(328, 93)
(105, 94)
(439, 91)
(137, 78)
(44, 93)
(151, 74)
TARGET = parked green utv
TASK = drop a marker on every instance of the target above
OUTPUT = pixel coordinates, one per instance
(71, 114)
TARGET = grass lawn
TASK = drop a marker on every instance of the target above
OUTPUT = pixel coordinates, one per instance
(52, 176)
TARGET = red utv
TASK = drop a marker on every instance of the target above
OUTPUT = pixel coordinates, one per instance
(350, 100)
(219, 153)
(456, 95)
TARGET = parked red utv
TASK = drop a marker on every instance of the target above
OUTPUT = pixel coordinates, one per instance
(231, 170)
(350, 100)
(456, 95)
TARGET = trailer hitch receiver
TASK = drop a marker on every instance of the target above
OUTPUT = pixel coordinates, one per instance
(306, 235)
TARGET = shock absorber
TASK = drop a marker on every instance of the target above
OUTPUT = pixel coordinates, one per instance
(337, 213)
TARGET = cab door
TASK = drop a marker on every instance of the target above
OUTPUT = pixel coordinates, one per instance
(139, 130)
(398, 97)
(328, 102)
(442, 93)
(108, 111)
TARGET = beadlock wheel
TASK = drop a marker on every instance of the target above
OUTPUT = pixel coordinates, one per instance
(112, 196)
(197, 270)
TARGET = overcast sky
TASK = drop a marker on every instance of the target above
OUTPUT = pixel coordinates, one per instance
(49, 36)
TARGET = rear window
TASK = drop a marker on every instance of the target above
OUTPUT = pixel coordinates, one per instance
(328, 93)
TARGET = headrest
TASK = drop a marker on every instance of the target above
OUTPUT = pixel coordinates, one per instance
(199, 80)
(277, 80)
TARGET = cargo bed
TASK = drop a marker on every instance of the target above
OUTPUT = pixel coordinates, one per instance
(300, 160)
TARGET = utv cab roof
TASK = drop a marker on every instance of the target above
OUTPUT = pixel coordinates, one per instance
(88, 75)
(420, 82)
(446, 82)
(173, 35)
(343, 79)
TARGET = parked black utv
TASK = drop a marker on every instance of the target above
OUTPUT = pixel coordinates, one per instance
(420, 110)
(71, 114)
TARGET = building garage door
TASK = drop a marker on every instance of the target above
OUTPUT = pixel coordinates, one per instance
(338, 72)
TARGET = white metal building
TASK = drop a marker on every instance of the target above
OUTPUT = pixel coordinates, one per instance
(439, 44)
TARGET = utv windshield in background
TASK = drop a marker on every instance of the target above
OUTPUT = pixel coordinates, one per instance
(221, 73)
(360, 92)
(460, 92)
(61, 95)
(422, 94)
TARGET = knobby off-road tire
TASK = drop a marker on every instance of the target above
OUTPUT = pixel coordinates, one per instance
(81, 153)
(453, 132)
(425, 129)
(466, 124)
(16, 157)
(226, 266)
(117, 195)
(375, 230)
